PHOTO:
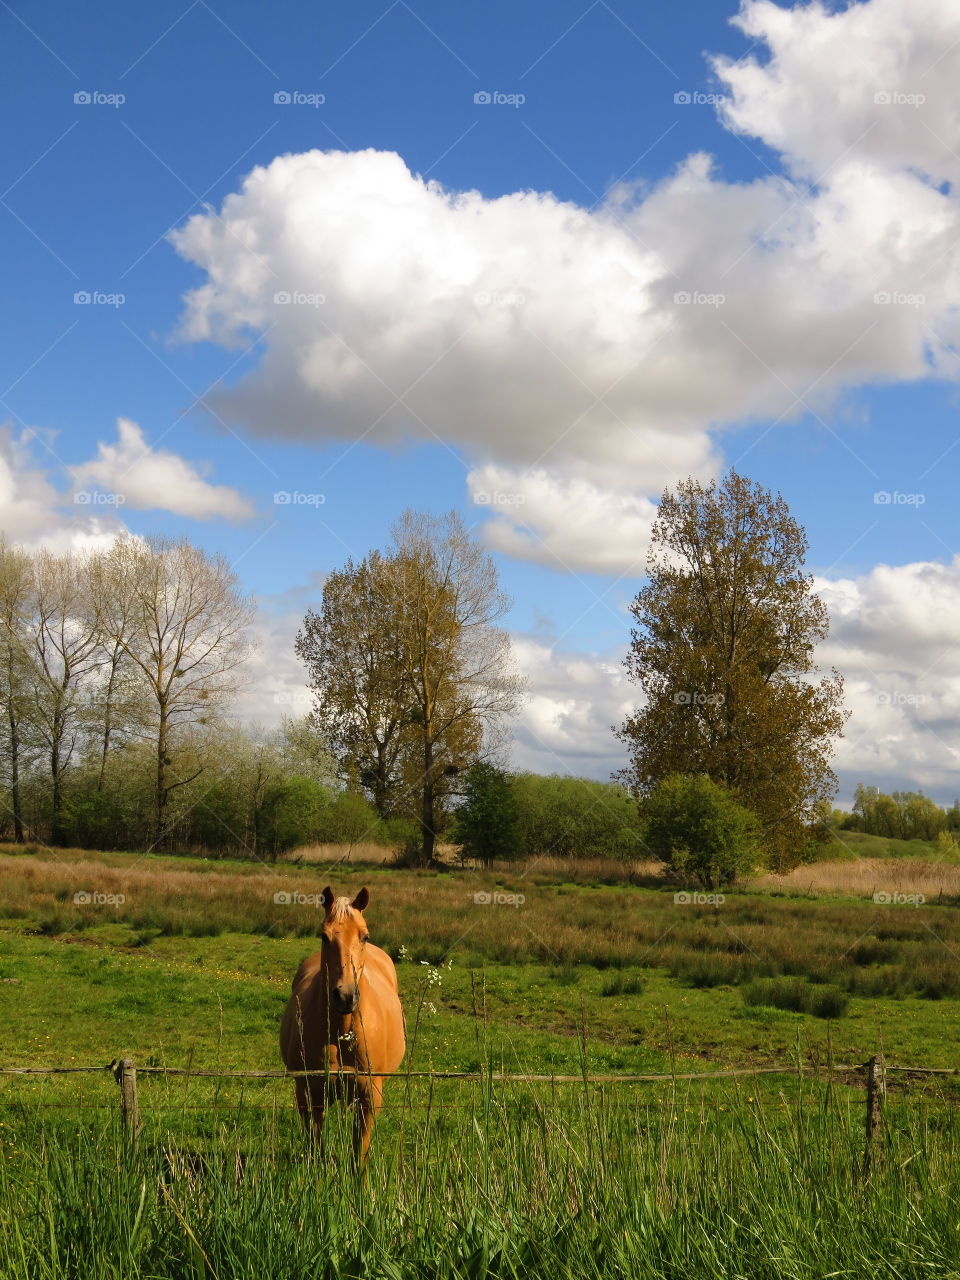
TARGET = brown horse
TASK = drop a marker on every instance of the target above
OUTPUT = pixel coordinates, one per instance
(344, 1011)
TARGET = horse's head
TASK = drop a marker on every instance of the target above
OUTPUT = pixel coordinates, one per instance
(344, 934)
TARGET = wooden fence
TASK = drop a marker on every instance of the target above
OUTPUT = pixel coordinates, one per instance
(874, 1072)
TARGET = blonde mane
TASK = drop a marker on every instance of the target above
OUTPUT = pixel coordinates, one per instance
(342, 910)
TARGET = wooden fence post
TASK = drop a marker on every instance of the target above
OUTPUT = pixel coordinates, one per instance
(876, 1092)
(125, 1074)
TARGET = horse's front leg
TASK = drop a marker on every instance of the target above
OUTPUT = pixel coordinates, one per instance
(311, 1103)
(366, 1108)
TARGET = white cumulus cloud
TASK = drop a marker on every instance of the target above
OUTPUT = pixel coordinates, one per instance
(145, 478)
(611, 346)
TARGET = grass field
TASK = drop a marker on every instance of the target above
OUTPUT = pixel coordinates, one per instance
(597, 968)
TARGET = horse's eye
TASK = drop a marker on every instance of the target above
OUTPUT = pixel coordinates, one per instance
(365, 938)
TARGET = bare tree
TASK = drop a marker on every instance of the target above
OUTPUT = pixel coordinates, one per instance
(66, 644)
(16, 608)
(187, 635)
(119, 706)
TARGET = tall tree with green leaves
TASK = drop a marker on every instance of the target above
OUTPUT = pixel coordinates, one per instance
(411, 675)
(723, 652)
(352, 648)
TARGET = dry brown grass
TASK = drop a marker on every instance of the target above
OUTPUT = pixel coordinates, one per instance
(332, 855)
(864, 877)
(773, 928)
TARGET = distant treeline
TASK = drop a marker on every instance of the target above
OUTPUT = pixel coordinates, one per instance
(902, 815)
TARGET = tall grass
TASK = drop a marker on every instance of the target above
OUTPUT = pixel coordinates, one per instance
(865, 948)
(692, 1185)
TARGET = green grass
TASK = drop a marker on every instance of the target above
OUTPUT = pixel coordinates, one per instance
(694, 1186)
(846, 845)
(667, 1181)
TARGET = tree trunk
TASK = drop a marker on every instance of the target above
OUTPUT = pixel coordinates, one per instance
(427, 816)
(107, 726)
(161, 786)
(56, 817)
(15, 773)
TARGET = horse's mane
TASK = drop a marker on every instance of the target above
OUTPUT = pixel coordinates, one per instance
(342, 909)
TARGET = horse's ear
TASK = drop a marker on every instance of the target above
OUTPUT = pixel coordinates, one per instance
(327, 898)
(360, 901)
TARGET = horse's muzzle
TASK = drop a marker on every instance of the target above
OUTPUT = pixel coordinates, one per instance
(345, 1001)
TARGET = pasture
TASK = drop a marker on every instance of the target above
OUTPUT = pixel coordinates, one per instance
(594, 968)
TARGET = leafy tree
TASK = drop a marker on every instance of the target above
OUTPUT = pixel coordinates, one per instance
(723, 652)
(352, 650)
(411, 675)
(902, 815)
(66, 653)
(487, 822)
(697, 827)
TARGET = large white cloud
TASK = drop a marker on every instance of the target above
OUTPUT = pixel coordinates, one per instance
(145, 478)
(558, 342)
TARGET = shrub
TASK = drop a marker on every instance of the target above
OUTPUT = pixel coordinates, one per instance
(699, 829)
(487, 823)
(292, 814)
(577, 817)
(797, 995)
(624, 984)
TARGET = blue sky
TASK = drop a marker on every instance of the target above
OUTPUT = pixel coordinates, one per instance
(93, 190)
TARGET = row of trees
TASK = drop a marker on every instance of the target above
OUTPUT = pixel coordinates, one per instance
(141, 643)
(125, 658)
(902, 815)
(118, 666)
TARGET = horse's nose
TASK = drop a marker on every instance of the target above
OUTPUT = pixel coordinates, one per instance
(345, 999)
